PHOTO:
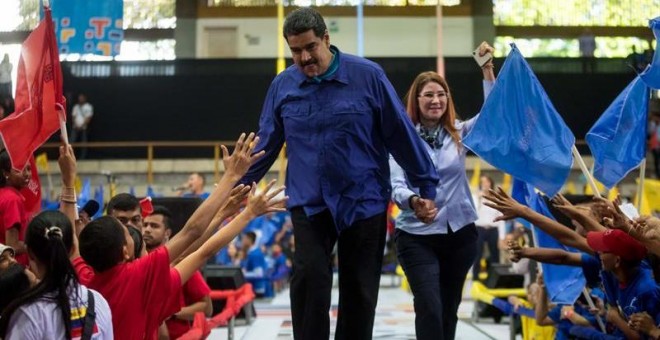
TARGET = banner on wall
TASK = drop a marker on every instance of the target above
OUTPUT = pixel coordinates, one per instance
(88, 27)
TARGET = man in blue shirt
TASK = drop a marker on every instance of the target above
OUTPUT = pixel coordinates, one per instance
(340, 117)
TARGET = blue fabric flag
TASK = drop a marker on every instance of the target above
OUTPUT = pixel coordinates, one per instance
(520, 132)
(88, 27)
(563, 283)
(651, 75)
(618, 138)
(85, 192)
(98, 197)
(151, 193)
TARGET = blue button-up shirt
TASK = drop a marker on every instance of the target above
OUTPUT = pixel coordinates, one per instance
(339, 131)
(453, 197)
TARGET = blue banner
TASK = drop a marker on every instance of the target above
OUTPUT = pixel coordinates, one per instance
(519, 131)
(651, 76)
(88, 26)
(618, 138)
(563, 283)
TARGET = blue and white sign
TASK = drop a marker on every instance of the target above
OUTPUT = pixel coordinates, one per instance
(88, 26)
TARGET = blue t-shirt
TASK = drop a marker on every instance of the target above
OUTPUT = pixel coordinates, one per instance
(591, 268)
(639, 295)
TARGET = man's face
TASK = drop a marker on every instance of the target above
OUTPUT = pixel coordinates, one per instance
(129, 217)
(154, 232)
(311, 53)
(609, 261)
(195, 182)
(6, 259)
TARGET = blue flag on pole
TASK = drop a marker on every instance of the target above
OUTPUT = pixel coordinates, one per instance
(98, 197)
(519, 131)
(85, 192)
(618, 138)
(563, 283)
(651, 75)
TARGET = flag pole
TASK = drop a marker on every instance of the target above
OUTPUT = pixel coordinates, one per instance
(585, 171)
(591, 304)
(640, 185)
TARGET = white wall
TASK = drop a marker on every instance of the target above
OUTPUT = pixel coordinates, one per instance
(384, 36)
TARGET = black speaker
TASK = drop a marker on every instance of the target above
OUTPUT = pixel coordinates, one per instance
(499, 276)
(227, 277)
(181, 207)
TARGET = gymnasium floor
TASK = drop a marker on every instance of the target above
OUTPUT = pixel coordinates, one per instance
(395, 318)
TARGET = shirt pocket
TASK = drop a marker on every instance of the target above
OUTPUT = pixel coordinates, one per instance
(295, 117)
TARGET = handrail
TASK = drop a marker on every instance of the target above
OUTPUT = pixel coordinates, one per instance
(150, 145)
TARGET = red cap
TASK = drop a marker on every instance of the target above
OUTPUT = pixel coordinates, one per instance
(146, 206)
(617, 242)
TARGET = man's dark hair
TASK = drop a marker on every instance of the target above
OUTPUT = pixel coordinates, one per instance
(102, 242)
(166, 213)
(302, 20)
(252, 236)
(123, 202)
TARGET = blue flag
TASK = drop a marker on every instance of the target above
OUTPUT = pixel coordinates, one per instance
(151, 193)
(651, 75)
(618, 139)
(519, 131)
(98, 197)
(85, 192)
(563, 283)
(131, 191)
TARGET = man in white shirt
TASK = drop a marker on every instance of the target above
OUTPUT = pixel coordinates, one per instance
(5, 78)
(82, 114)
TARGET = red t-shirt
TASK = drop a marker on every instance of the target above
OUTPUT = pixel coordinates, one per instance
(84, 271)
(138, 294)
(12, 212)
(193, 291)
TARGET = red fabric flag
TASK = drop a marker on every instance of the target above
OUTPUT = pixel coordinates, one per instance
(32, 191)
(39, 102)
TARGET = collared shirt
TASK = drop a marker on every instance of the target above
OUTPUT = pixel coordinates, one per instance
(453, 198)
(339, 132)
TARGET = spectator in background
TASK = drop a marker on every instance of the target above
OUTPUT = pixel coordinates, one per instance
(254, 264)
(194, 187)
(490, 233)
(82, 114)
(587, 42)
(157, 228)
(5, 77)
(13, 216)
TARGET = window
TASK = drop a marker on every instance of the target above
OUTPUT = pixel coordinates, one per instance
(627, 13)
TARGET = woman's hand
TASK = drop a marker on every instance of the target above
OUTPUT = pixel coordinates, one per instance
(488, 67)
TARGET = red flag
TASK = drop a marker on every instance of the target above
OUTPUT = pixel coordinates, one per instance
(39, 101)
(32, 191)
